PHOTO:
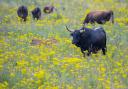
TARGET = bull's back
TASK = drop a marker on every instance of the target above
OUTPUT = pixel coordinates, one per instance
(98, 37)
(22, 11)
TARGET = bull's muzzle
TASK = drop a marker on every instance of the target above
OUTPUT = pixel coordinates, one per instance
(73, 42)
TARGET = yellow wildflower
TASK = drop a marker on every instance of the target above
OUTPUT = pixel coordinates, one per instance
(40, 74)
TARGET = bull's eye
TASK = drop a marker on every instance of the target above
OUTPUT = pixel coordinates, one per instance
(71, 34)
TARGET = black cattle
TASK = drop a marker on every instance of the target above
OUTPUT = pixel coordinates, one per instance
(48, 9)
(36, 13)
(99, 16)
(91, 40)
(22, 12)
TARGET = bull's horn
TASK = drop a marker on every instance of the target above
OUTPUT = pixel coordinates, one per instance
(68, 29)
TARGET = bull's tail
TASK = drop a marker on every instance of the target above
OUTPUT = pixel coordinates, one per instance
(112, 16)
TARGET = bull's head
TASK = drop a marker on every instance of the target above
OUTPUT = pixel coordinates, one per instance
(76, 35)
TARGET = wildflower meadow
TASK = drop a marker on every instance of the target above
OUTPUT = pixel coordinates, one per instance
(39, 54)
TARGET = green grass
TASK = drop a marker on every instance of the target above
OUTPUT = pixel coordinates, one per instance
(56, 63)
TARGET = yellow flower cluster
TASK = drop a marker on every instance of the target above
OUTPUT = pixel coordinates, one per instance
(40, 54)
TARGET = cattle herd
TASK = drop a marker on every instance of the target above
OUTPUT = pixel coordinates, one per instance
(36, 13)
(91, 40)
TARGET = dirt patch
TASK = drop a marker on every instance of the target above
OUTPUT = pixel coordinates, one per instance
(49, 41)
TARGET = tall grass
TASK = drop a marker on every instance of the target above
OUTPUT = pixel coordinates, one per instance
(55, 63)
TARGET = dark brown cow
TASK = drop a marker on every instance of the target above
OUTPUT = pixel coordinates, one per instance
(36, 13)
(48, 9)
(99, 16)
(22, 12)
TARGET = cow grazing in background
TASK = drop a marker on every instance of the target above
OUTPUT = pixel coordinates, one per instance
(36, 13)
(48, 9)
(22, 12)
(99, 16)
(88, 39)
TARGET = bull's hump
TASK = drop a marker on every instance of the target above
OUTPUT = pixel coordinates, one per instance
(97, 28)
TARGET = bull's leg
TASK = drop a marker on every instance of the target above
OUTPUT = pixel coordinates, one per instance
(83, 52)
(112, 18)
(90, 50)
(25, 19)
(93, 24)
(104, 51)
(38, 18)
(103, 21)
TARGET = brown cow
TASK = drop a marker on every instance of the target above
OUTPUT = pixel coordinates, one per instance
(48, 9)
(99, 16)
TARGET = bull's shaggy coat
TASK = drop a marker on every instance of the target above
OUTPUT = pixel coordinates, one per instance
(22, 12)
(88, 39)
(36, 13)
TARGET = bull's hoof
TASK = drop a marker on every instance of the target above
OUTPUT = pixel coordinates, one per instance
(88, 54)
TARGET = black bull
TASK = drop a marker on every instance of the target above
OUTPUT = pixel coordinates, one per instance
(36, 13)
(22, 12)
(99, 16)
(91, 40)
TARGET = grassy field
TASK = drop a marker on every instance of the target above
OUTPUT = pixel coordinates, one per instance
(55, 63)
